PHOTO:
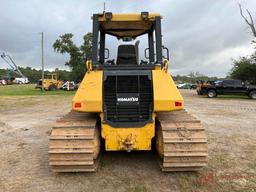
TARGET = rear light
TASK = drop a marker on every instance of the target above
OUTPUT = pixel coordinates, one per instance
(78, 105)
(178, 103)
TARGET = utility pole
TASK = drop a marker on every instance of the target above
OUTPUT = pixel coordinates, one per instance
(42, 54)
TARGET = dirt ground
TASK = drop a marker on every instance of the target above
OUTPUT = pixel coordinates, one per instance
(25, 123)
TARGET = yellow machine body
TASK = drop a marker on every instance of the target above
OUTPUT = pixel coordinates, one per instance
(165, 92)
(128, 138)
(88, 98)
(89, 95)
(132, 25)
(50, 83)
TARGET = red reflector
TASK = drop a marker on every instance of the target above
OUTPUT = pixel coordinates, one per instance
(78, 105)
(178, 104)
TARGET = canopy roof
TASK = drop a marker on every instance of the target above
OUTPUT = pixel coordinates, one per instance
(126, 25)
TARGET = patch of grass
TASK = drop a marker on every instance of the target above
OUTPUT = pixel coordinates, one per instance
(136, 187)
(219, 161)
(192, 94)
(225, 97)
(103, 162)
(26, 101)
(188, 181)
(218, 176)
(8, 102)
(215, 182)
(139, 188)
(249, 150)
(29, 90)
(232, 97)
(132, 184)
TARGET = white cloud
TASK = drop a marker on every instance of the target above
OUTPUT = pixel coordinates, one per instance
(201, 35)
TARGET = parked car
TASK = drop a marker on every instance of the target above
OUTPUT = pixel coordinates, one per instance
(3, 82)
(179, 85)
(184, 86)
(227, 87)
(193, 86)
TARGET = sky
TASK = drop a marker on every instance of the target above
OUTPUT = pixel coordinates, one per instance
(202, 36)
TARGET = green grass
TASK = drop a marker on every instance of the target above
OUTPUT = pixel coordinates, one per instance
(232, 97)
(225, 97)
(29, 90)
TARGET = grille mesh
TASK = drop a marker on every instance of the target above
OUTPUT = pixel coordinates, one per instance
(139, 84)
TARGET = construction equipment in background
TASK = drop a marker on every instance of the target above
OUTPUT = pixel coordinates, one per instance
(201, 84)
(130, 105)
(51, 83)
(21, 79)
(70, 86)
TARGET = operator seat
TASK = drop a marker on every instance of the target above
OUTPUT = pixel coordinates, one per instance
(126, 55)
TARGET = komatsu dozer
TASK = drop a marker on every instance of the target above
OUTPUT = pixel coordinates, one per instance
(127, 104)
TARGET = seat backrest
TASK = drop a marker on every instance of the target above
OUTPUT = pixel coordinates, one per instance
(126, 55)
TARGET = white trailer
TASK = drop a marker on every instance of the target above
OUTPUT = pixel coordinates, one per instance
(21, 80)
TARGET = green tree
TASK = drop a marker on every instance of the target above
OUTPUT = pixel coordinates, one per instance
(87, 46)
(34, 75)
(78, 54)
(244, 69)
(193, 77)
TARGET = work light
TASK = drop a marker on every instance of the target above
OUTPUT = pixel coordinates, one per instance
(144, 15)
(108, 16)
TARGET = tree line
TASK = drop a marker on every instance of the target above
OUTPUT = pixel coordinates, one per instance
(34, 75)
(193, 77)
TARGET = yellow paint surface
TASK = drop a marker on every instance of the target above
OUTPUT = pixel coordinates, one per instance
(165, 92)
(89, 93)
(128, 17)
(138, 137)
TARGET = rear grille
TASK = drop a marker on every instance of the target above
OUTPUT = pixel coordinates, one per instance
(139, 86)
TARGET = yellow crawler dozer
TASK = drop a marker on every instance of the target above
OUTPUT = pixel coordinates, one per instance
(50, 83)
(127, 103)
